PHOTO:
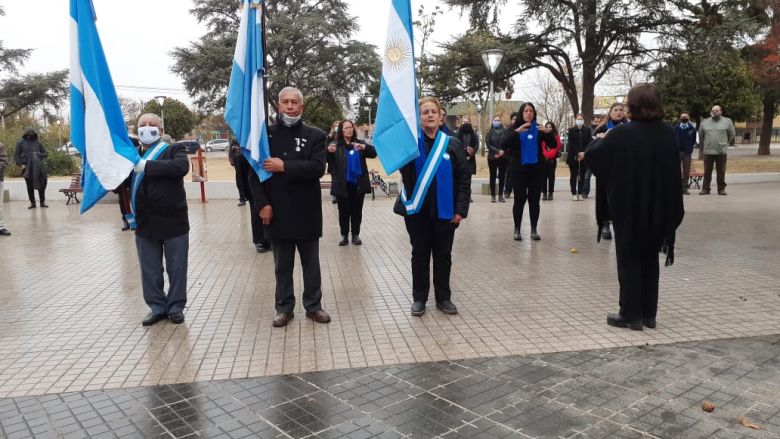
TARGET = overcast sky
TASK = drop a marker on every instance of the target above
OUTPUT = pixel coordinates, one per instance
(137, 36)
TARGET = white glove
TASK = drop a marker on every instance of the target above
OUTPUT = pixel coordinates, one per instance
(140, 166)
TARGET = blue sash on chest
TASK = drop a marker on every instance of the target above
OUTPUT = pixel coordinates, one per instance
(428, 167)
(138, 178)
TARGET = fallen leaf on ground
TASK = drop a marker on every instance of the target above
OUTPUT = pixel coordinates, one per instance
(708, 406)
(745, 422)
(574, 250)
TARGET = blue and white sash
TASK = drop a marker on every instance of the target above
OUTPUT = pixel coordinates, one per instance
(135, 183)
(425, 175)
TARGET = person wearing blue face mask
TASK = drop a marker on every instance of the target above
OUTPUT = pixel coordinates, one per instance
(349, 172)
(524, 142)
(686, 140)
(159, 208)
(497, 162)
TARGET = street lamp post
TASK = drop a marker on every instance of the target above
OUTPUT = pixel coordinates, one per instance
(2, 114)
(492, 59)
(161, 100)
(370, 99)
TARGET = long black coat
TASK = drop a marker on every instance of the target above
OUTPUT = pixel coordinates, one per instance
(294, 194)
(461, 181)
(639, 165)
(161, 202)
(337, 165)
(578, 141)
(27, 146)
(469, 139)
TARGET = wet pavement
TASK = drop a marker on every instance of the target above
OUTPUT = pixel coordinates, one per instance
(71, 311)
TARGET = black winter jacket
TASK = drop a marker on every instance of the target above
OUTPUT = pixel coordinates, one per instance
(469, 139)
(461, 180)
(161, 202)
(511, 144)
(294, 194)
(578, 141)
(337, 165)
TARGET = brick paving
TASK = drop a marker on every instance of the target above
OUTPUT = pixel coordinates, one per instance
(71, 301)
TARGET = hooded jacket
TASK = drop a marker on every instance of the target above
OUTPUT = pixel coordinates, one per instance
(28, 145)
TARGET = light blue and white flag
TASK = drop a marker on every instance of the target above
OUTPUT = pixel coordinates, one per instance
(245, 107)
(397, 118)
(98, 128)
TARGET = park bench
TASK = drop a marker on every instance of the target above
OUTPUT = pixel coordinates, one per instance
(694, 176)
(73, 191)
(376, 181)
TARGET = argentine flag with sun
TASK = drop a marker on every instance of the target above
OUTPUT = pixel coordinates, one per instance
(397, 119)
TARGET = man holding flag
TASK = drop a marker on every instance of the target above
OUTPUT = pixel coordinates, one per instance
(158, 200)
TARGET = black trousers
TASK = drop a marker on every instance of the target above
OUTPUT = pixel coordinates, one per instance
(577, 177)
(638, 272)
(258, 230)
(718, 160)
(508, 180)
(284, 262)
(430, 237)
(549, 176)
(242, 169)
(31, 190)
(351, 210)
(527, 182)
(497, 167)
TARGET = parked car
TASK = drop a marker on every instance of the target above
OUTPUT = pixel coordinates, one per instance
(217, 145)
(190, 145)
(69, 149)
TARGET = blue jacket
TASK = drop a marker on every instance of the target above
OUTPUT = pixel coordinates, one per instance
(686, 137)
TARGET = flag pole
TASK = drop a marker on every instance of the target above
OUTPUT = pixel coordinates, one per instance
(265, 63)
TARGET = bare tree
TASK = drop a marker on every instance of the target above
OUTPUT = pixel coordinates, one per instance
(552, 102)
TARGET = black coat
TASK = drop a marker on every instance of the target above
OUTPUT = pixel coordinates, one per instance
(294, 194)
(511, 144)
(337, 165)
(493, 142)
(161, 202)
(639, 165)
(461, 180)
(578, 141)
(28, 145)
(469, 139)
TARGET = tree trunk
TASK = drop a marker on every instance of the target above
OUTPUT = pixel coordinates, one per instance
(588, 86)
(769, 102)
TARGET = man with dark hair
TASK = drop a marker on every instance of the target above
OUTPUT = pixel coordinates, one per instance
(686, 139)
(716, 133)
(290, 205)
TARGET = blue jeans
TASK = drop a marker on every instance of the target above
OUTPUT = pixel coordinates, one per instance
(586, 183)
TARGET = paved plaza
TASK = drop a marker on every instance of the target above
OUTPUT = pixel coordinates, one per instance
(529, 355)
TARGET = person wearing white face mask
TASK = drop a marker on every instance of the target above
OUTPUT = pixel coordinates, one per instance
(290, 203)
(578, 139)
(159, 206)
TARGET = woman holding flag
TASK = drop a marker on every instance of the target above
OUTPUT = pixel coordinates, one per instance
(524, 143)
(434, 200)
(349, 173)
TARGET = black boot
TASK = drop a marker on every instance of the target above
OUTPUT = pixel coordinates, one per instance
(125, 224)
(517, 236)
(32, 205)
(618, 321)
(344, 241)
(535, 236)
(606, 233)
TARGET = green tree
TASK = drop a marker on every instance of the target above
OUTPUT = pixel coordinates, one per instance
(179, 120)
(47, 90)
(321, 111)
(308, 45)
(577, 42)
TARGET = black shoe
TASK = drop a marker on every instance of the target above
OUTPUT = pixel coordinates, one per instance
(507, 195)
(5, 232)
(125, 224)
(517, 236)
(584, 196)
(535, 236)
(43, 204)
(152, 318)
(260, 248)
(241, 202)
(177, 317)
(606, 233)
(32, 206)
(550, 196)
(704, 192)
(282, 319)
(618, 321)
(544, 196)
(471, 200)
(501, 199)
(447, 307)
(356, 240)
(334, 200)
(649, 322)
(492, 198)
(268, 246)
(418, 309)
(685, 192)
(344, 241)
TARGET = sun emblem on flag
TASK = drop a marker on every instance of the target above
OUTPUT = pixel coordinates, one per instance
(397, 54)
